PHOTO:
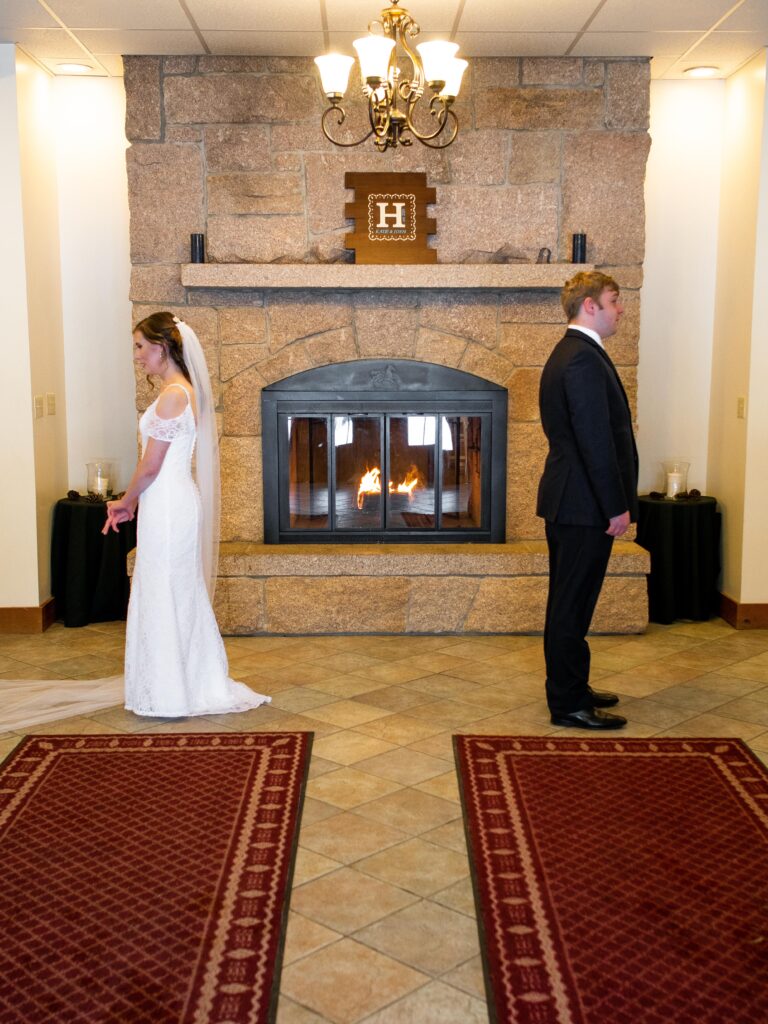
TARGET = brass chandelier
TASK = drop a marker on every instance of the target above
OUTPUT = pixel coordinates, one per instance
(392, 97)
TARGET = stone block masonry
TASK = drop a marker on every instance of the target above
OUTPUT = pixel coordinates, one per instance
(232, 147)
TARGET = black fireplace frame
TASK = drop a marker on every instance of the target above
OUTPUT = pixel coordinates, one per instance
(381, 387)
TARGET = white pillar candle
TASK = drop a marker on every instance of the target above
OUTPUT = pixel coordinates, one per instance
(102, 485)
(674, 484)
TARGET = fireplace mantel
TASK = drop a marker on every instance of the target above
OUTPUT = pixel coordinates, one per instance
(494, 276)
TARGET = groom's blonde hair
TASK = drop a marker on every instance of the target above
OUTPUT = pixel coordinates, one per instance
(587, 284)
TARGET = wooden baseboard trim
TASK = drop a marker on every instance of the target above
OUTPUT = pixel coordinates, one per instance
(743, 616)
(28, 620)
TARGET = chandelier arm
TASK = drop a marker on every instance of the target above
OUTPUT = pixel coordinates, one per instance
(340, 120)
(380, 115)
(417, 83)
(443, 117)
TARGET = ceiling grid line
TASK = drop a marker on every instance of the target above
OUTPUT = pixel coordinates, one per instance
(35, 60)
(324, 23)
(710, 30)
(195, 28)
(585, 26)
(457, 19)
(92, 56)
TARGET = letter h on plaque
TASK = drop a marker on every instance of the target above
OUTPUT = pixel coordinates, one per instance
(390, 214)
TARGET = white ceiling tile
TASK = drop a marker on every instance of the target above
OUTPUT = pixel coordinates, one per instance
(276, 44)
(732, 48)
(257, 15)
(341, 42)
(24, 14)
(113, 62)
(135, 14)
(140, 42)
(44, 42)
(355, 15)
(659, 15)
(634, 44)
(526, 15)
(752, 16)
(660, 65)
(514, 44)
(727, 51)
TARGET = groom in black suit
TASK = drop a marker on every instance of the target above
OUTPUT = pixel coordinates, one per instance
(587, 493)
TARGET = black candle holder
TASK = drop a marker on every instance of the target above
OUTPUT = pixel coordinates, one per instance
(197, 248)
(579, 251)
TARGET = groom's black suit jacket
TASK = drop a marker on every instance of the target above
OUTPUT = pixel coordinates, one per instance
(590, 474)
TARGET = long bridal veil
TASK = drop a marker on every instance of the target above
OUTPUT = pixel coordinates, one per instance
(25, 702)
(207, 472)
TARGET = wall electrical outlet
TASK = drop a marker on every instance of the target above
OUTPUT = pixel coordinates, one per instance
(741, 408)
(50, 403)
(39, 407)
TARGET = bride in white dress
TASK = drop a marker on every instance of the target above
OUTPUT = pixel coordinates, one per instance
(175, 662)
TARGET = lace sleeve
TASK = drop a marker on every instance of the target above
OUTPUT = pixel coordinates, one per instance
(165, 430)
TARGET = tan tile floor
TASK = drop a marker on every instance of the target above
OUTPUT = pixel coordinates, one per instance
(382, 926)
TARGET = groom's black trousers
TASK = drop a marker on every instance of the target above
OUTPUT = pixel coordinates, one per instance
(578, 559)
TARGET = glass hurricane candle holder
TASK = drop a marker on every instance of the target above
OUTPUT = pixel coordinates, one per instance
(101, 478)
(675, 477)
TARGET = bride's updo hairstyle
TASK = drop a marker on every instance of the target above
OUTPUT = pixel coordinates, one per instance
(161, 329)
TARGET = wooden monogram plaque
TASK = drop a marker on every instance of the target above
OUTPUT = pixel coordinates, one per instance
(390, 214)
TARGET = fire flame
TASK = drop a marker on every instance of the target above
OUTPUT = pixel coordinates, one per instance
(407, 485)
(370, 483)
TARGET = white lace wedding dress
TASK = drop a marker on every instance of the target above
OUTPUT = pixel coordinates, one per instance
(175, 662)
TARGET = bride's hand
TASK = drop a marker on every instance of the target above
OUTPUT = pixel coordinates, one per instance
(118, 512)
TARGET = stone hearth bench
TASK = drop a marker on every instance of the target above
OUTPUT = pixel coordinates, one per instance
(415, 588)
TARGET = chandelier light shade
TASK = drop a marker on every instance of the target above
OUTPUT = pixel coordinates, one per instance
(436, 58)
(374, 53)
(395, 75)
(334, 73)
(453, 76)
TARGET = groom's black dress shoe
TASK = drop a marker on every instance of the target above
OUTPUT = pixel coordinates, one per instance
(603, 699)
(589, 719)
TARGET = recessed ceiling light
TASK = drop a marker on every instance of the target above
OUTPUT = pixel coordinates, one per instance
(69, 68)
(704, 71)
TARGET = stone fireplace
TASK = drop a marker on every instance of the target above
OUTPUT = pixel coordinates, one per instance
(232, 146)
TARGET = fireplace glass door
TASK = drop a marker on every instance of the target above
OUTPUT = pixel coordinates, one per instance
(384, 466)
(412, 480)
(386, 472)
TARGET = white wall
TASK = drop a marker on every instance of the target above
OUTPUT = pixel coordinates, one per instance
(40, 212)
(19, 584)
(682, 195)
(64, 284)
(731, 475)
(754, 582)
(95, 271)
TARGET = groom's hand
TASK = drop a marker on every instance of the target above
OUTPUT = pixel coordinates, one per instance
(618, 525)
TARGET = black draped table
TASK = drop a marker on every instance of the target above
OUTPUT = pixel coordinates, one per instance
(683, 538)
(88, 571)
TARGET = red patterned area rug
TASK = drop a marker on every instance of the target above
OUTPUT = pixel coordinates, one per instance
(145, 880)
(619, 882)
